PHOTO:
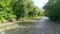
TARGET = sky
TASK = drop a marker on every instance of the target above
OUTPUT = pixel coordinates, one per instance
(40, 3)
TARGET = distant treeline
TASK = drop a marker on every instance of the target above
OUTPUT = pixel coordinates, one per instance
(14, 9)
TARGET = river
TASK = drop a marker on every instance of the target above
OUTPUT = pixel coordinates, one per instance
(42, 26)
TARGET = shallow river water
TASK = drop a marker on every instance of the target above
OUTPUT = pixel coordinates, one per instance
(42, 26)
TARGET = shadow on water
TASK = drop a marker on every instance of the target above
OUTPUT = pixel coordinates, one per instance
(42, 26)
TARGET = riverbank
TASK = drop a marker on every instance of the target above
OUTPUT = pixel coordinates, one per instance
(16, 24)
(42, 26)
(21, 23)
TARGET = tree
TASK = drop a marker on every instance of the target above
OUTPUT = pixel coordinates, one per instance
(6, 12)
(15, 9)
(53, 10)
(23, 8)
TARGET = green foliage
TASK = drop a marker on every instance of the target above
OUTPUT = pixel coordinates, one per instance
(25, 8)
(53, 10)
(15, 9)
(6, 12)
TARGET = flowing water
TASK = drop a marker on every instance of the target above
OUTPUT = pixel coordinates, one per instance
(42, 26)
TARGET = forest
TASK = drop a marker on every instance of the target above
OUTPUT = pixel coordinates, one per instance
(52, 10)
(23, 17)
(11, 10)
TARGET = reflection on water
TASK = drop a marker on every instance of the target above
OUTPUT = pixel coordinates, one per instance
(43, 26)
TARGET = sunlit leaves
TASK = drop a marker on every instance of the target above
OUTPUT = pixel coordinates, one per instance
(6, 10)
(11, 9)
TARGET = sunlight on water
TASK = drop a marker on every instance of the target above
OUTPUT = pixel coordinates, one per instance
(45, 18)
